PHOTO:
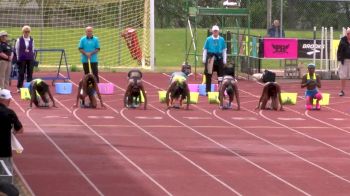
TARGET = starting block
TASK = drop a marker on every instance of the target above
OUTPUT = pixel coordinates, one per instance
(64, 88)
(324, 100)
(25, 95)
(26, 84)
(106, 88)
(142, 97)
(289, 98)
(162, 95)
(202, 89)
(193, 87)
(194, 96)
(213, 97)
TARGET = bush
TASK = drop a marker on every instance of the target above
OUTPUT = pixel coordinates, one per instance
(74, 68)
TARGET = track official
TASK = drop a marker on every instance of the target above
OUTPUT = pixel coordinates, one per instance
(89, 46)
(214, 56)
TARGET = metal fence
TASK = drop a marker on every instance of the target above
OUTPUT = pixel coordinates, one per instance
(300, 14)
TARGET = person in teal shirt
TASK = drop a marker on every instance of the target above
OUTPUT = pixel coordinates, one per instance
(214, 56)
(89, 46)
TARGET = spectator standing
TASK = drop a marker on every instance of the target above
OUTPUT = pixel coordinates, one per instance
(275, 30)
(5, 60)
(25, 56)
(343, 56)
(214, 56)
(8, 120)
(89, 46)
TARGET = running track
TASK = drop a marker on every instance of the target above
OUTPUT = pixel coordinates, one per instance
(203, 151)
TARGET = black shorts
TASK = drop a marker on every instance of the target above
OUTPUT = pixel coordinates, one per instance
(218, 65)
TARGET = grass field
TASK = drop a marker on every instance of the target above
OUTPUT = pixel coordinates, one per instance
(170, 45)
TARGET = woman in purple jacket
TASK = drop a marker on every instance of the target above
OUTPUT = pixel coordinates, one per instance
(25, 56)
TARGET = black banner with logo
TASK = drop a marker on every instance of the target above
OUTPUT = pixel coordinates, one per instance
(306, 49)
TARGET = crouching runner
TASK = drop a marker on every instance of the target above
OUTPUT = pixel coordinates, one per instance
(88, 88)
(229, 85)
(132, 96)
(40, 94)
(312, 82)
(178, 89)
(271, 91)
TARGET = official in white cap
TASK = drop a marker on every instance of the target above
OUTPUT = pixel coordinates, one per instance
(214, 56)
(8, 121)
(5, 60)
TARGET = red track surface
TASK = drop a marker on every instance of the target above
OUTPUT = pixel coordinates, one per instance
(203, 151)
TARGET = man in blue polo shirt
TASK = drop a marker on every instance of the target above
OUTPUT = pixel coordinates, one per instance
(89, 46)
(214, 56)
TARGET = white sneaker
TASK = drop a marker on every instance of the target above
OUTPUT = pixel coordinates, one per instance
(341, 93)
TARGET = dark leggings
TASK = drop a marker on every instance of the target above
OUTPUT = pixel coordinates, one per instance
(23, 67)
(94, 69)
(218, 66)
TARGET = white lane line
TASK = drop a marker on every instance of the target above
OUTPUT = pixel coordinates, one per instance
(149, 117)
(121, 154)
(24, 181)
(316, 119)
(157, 109)
(238, 155)
(338, 119)
(117, 150)
(100, 117)
(50, 117)
(244, 118)
(77, 86)
(192, 105)
(306, 135)
(328, 171)
(259, 97)
(64, 154)
(120, 88)
(312, 138)
(167, 75)
(19, 106)
(290, 119)
(19, 173)
(180, 154)
(56, 100)
(283, 149)
(328, 124)
(197, 118)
